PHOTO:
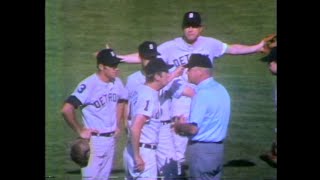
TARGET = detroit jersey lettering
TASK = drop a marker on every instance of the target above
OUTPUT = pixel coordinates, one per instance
(98, 99)
(177, 51)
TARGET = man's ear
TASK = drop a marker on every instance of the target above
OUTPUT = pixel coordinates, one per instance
(157, 76)
(100, 67)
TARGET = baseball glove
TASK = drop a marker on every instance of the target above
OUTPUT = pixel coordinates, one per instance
(270, 42)
(80, 152)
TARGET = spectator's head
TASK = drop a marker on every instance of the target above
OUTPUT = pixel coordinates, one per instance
(192, 26)
(199, 68)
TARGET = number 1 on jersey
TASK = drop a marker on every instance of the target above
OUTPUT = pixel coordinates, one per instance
(147, 105)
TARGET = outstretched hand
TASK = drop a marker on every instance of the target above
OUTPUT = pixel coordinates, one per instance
(269, 43)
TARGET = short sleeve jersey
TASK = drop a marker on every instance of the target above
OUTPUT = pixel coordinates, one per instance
(99, 103)
(173, 89)
(177, 51)
(123, 90)
(144, 101)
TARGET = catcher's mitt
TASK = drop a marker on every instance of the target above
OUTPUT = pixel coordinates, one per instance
(270, 42)
(80, 152)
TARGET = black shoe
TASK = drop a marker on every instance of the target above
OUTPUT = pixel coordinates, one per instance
(269, 159)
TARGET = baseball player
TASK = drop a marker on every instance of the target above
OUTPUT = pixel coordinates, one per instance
(271, 156)
(147, 50)
(178, 51)
(97, 96)
(140, 152)
(166, 156)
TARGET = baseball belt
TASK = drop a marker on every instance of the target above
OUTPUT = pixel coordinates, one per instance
(107, 134)
(194, 142)
(166, 122)
(148, 146)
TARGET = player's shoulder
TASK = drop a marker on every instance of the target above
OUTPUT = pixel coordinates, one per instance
(118, 81)
(134, 76)
(141, 92)
(145, 90)
(207, 39)
(87, 84)
(169, 43)
(92, 79)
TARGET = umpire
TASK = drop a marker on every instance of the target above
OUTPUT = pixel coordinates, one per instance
(208, 121)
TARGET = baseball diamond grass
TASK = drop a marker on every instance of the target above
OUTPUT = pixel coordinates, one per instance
(76, 29)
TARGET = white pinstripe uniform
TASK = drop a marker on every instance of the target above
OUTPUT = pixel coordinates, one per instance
(99, 104)
(177, 52)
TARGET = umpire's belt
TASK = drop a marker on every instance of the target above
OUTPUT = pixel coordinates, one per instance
(166, 122)
(107, 134)
(204, 142)
(149, 146)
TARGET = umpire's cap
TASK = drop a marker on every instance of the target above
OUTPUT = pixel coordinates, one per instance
(107, 57)
(192, 19)
(198, 60)
(148, 49)
(156, 65)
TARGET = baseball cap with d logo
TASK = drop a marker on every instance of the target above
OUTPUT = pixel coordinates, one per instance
(107, 57)
(148, 49)
(192, 19)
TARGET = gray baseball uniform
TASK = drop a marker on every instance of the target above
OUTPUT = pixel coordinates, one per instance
(165, 149)
(144, 100)
(99, 104)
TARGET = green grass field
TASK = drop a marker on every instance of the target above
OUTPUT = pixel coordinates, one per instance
(76, 29)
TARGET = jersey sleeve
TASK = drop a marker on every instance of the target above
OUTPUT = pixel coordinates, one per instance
(218, 47)
(145, 105)
(123, 94)
(82, 92)
(176, 87)
(130, 85)
(164, 50)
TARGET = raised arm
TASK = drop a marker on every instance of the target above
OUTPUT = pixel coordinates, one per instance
(130, 58)
(246, 49)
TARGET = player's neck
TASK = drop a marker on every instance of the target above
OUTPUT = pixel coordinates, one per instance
(154, 85)
(188, 41)
(105, 78)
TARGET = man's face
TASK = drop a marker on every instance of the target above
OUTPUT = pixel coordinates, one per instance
(191, 34)
(193, 74)
(273, 67)
(111, 72)
(163, 79)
